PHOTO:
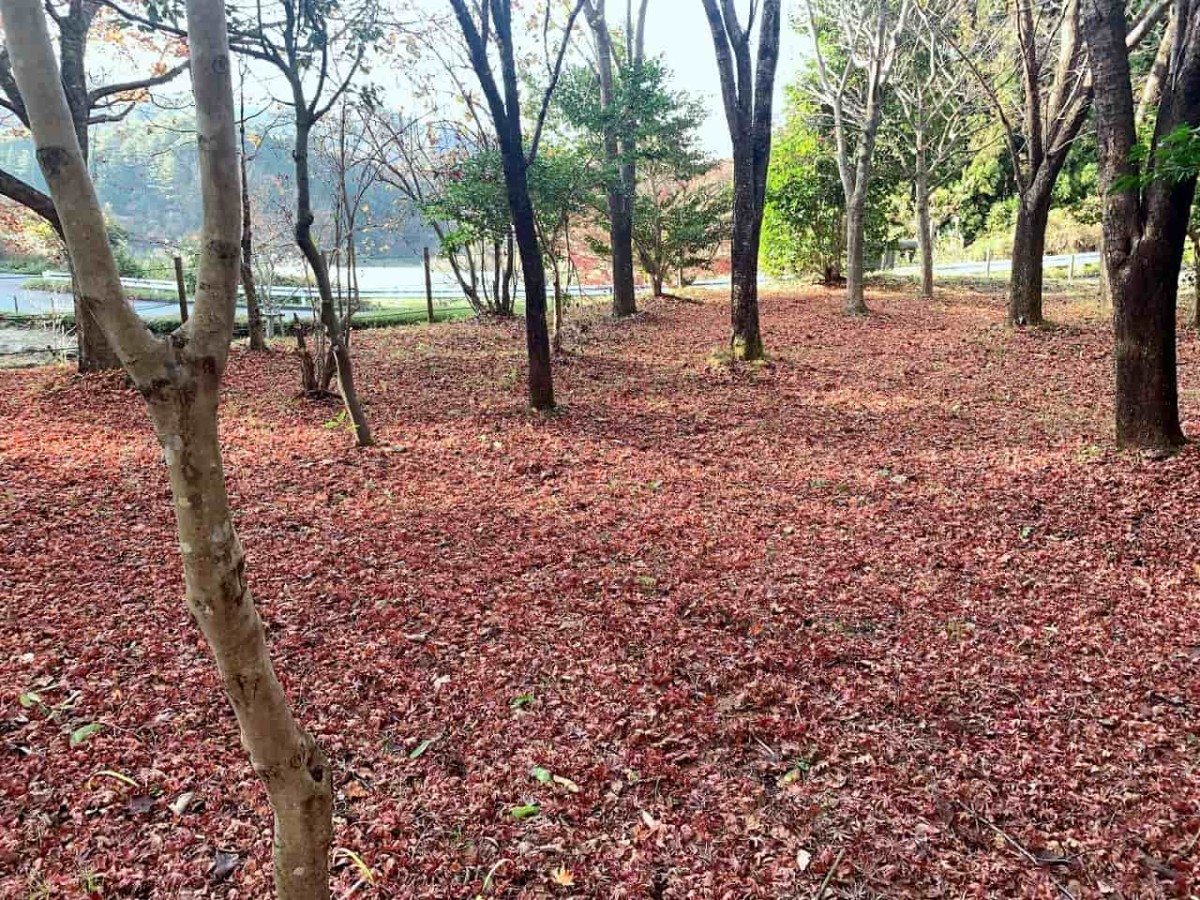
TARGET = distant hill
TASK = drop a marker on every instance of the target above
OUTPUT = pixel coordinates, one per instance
(145, 173)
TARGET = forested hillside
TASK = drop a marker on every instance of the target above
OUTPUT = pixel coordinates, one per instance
(145, 173)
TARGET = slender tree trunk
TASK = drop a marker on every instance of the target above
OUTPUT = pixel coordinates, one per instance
(1029, 246)
(253, 314)
(620, 210)
(924, 228)
(537, 337)
(180, 380)
(1196, 281)
(558, 313)
(329, 316)
(656, 279)
(620, 189)
(284, 756)
(855, 304)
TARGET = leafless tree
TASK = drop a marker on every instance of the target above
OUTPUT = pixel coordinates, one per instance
(867, 36)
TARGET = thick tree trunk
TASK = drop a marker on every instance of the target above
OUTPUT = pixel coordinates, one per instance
(1029, 246)
(924, 228)
(1147, 399)
(746, 338)
(329, 316)
(293, 768)
(95, 352)
(1144, 230)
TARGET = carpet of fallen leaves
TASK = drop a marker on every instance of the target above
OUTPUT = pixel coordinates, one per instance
(889, 610)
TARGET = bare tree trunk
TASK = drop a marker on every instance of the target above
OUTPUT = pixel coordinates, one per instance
(620, 191)
(95, 352)
(855, 304)
(180, 380)
(1147, 399)
(747, 98)
(924, 228)
(1029, 246)
(1144, 229)
(329, 316)
(557, 337)
(253, 314)
(537, 338)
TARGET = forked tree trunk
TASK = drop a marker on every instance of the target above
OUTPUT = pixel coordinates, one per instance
(1029, 246)
(180, 380)
(747, 88)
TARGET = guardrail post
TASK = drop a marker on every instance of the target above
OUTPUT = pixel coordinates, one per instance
(428, 287)
(181, 287)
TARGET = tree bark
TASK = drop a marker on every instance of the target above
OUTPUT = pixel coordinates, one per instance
(537, 337)
(1029, 246)
(924, 228)
(855, 304)
(619, 193)
(253, 314)
(1145, 228)
(95, 354)
(329, 316)
(180, 379)
(747, 87)
(1196, 281)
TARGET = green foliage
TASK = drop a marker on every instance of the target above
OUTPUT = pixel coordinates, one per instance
(1176, 158)
(474, 200)
(678, 224)
(651, 122)
(804, 222)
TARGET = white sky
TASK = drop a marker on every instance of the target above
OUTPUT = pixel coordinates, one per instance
(679, 31)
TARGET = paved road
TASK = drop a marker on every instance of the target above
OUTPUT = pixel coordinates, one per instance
(1000, 265)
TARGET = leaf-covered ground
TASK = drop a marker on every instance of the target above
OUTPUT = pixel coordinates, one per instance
(891, 605)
